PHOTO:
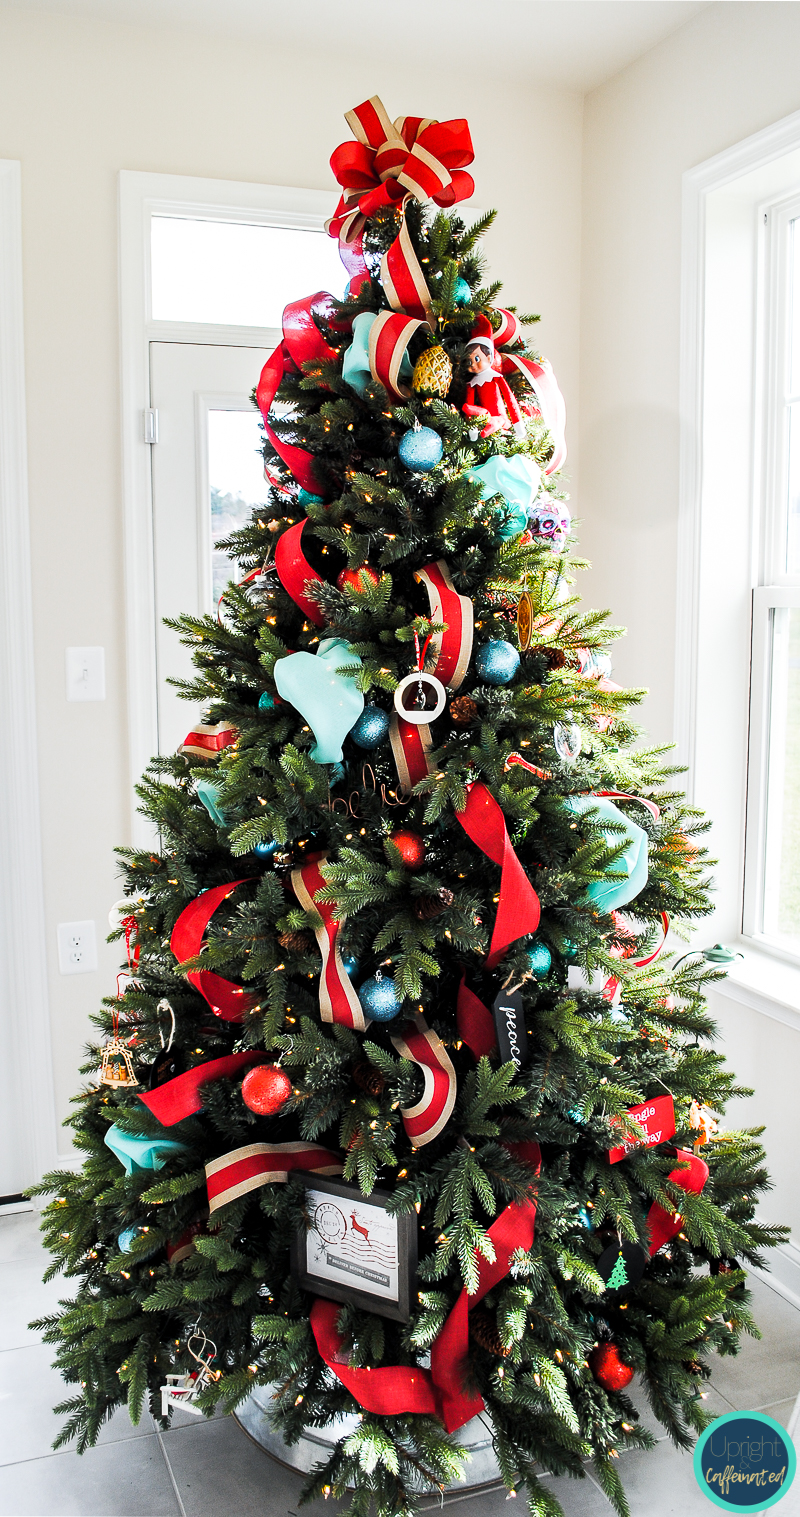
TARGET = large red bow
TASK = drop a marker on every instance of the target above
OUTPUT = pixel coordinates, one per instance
(413, 155)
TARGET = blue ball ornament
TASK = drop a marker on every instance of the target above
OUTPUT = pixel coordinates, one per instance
(266, 849)
(266, 701)
(305, 498)
(420, 449)
(462, 294)
(350, 965)
(540, 959)
(379, 999)
(497, 663)
(126, 1240)
(372, 727)
(585, 1219)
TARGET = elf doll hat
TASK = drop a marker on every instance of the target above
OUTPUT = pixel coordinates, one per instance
(483, 333)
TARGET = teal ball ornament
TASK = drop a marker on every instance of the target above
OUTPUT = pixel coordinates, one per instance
(266, 701)
(305, 498)
(585, 1219)
(462, 294)
(372, 728)
(378, 997)
(350, 965)
(126, 1240)
(266, 849)
(420, 449)
(539, 958)
(497, 663)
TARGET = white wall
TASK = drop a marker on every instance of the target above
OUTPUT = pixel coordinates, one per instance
(726, 74)
(79, 100)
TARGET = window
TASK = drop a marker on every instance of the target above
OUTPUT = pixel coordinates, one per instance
(772, 871)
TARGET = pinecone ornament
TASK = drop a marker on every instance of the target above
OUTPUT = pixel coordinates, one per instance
(463, 710)
(298, 942)
(368, 1078)
(556, 659)
(433, 373)
(426, 907)
(483, 1326)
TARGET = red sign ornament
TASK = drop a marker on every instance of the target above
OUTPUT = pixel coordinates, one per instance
(656, 1118)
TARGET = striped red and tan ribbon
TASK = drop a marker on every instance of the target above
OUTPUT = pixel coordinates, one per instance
(236, 1173)
(402, 277)
(295, 572)
(417, 1042)
(338, 1001)
(448, 657)
(205, 742)
(411, 749)
(227, 1000)
(389, 336)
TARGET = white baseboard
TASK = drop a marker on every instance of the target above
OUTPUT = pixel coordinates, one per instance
(11, 1208)
(783, 1275)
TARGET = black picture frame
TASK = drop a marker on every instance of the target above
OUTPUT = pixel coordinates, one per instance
(398, 1306)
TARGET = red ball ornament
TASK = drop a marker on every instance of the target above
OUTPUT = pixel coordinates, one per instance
(358, 579)
(265, 1089)
(410, 845)
(608, 1369)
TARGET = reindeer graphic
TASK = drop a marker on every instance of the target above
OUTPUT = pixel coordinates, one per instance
(357, 1228)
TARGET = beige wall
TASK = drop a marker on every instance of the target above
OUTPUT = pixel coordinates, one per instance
(80, 100)
(732, 70)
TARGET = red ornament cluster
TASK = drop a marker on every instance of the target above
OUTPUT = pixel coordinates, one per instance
(410, 846)
(608, 1368)
(358, 579)
(266, 1089)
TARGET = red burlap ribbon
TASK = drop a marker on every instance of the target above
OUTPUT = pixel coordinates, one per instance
(417, 1042)
(664, 1225)
(244, 1169)
(518, 909)
(441, 1391)
(205, 742)
(338, 1001)
(226, 1000)
(295, 572)
(181, 1097)
(475, 1022)
(302, 340)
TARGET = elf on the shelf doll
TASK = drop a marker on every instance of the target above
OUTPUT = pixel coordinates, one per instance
(489, 397)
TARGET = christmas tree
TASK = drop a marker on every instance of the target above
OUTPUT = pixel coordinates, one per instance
(403, 936)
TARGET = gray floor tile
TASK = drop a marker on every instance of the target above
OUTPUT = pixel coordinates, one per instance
(20, 1237)
(768, 1369)
(29, 1389)
(23, 1297)
(220, 1472)
(128, 1479)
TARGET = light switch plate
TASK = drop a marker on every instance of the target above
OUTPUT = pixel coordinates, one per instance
(86, 674)
(77, 947)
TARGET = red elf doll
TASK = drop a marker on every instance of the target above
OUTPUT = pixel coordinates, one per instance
(489, 397)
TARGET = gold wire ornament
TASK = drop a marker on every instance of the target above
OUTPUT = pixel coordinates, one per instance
(117, 1067)
(524, 621)
(433, 373)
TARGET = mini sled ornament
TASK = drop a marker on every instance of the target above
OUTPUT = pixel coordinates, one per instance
(183, 1390)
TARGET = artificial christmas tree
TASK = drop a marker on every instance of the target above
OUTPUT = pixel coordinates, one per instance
(397, 838)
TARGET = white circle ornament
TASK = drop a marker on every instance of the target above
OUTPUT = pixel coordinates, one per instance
(424, 684)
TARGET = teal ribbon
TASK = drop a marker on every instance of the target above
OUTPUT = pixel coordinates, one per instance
(140, 1154)
(518, 480)
(611, 893)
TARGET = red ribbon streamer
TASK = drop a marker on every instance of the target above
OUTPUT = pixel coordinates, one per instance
(338, 1001)
(475, 1022)
(295, 572)
(302, 340)
(439, 1391)
(181, 1097)
(417, 1042)
(411, 749)
(389, 336)
(518, 909)
(665, 1225)
(244, 1169)
(226, 1000)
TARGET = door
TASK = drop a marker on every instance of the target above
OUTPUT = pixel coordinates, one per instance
(208, 474)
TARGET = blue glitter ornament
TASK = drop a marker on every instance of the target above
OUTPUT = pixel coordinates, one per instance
(420, 449)
(585, 1219)
(540, 959)
(372, 727)
(305, 498)
(462, 294)
(497, 662)
(266, 701)
(265, 850)
(569, 949)
(350, 965)
(126, 1240)
(378, 998)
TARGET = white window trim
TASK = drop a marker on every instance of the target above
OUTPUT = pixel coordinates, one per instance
(23, 956)
(720, 548)
(140, 197)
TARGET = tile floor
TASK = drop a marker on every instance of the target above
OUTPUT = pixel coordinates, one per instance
(212, 1469)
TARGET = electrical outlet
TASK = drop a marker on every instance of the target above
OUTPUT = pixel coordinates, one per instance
(86, 674)
(77, 947)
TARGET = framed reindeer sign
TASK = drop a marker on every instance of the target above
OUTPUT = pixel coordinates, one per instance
(353, 1249)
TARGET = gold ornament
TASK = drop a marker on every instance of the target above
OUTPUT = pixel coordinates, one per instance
(433, 373)
(524, 621)
(117, 1066)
